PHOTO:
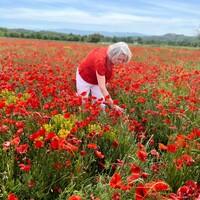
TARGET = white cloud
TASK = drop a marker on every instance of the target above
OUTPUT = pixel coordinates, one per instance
(77, 16)
(163, 16)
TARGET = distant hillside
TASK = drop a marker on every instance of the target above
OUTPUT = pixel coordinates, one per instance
(169, 39)
(104, 33)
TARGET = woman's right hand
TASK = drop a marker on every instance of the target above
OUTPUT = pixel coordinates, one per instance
(116, 107)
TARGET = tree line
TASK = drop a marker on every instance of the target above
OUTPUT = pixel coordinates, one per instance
(168, 39)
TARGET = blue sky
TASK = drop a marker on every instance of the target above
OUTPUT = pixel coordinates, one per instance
(151, 17)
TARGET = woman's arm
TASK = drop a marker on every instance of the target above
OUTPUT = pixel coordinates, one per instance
(102, 85)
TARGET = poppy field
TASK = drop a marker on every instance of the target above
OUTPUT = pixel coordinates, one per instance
(54, 148)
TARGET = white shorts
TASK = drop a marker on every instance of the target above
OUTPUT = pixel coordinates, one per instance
(83, 86)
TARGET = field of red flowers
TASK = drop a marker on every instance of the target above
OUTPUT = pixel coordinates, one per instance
(51, 148)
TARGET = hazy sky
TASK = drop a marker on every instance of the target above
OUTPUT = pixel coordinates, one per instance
(151, 17)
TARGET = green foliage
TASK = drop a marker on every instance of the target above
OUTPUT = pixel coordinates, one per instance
(165, 40)
(53, 147)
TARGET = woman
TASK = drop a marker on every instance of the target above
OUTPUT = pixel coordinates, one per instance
(96, 70)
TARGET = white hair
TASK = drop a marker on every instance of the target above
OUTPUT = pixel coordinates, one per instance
(114, 50)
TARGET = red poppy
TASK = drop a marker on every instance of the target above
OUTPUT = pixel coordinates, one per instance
(12, 197)
(133, 178)
(140, 145)
(116, 181)
(24, 167)
(58, 166)
(115, 143)
(99, 154)
(172, 148)
(160, 185)
(2, 104)
(187, 159)
(37, 134)
(6, 145)
(75, 197)
(19, 124)
(144, 175)
(135, 168)
(22, 149)
(50, 136)
(162, 146)
(155, 153)
(178, 163)
(16, 140)
(183, 192)
(38, 144)
(116, 196)
(54, 144)
(57, 189)
(142, 155)
(196, 132)
(140, 192)
(92, 146)
(68, 163)
(101, 164)
(83, 93)
(3, 128)
(83, 153)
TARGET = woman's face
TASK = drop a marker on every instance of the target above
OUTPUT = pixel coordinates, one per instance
(120, 60)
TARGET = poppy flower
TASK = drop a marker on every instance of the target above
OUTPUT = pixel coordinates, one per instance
(54, 144)
(133, 178)
(116, 181)
(83, 153)
(188, 160)
(31, 183)
(22, 149)
(183, 192)
(162, 146)
(6, 145)
(58, 166)
(116, 196)
(196, 132)
(68, 163)
(172, 148)
(115, 143)
(12, 197)
(99, 154)
(24, 167)
(83, 93)
(160, 186)
(142, 155)
(75, 197)
(141, 192)
(135, 168)
(50, 136)
(38, 144)
(92, 146)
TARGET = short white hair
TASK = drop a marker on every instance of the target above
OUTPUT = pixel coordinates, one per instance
(114, 50)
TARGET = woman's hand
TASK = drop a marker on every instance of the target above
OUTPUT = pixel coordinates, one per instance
(116, 107)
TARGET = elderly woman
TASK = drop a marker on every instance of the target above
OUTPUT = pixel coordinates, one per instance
(96, 70)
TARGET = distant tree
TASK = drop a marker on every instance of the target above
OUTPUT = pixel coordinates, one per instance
(45, 37)
(198, 36)
(22, 35)
(114, 39)
(3, 32)
(83, 38)
(14, 34)
(96, 37)
(139, 40)
(38, 35)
